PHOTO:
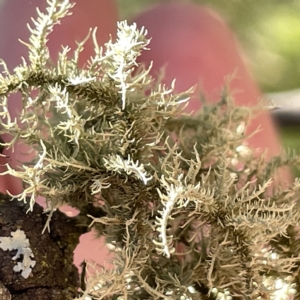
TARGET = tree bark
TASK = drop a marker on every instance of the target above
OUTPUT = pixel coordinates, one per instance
(54, 276)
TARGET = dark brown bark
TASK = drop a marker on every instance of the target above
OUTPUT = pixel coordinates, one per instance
(54, 276)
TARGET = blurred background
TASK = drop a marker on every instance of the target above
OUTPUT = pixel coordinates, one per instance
(268, 30)
(269, 33)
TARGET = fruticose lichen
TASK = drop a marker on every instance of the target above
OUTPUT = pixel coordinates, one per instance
(187, 209)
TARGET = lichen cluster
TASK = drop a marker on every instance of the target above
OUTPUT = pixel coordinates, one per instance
(187, 209)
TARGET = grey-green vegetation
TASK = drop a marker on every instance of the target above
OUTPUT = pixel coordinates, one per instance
(188, 210)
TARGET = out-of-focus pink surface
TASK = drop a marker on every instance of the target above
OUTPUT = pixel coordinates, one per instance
(194, 42)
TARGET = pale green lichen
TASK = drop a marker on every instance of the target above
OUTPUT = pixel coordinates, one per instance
(180, 208)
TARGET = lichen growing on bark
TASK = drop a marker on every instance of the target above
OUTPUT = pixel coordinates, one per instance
(188, 210)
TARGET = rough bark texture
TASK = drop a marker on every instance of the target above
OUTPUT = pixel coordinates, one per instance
(54, 276)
